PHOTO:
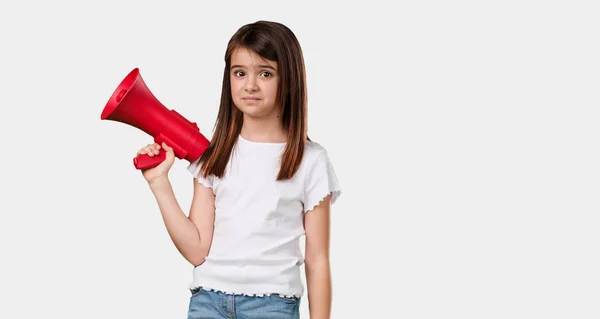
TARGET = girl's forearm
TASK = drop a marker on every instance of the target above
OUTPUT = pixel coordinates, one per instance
(181, 229)
(318, 279)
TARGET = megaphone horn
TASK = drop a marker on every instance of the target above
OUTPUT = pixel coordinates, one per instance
(132, 103)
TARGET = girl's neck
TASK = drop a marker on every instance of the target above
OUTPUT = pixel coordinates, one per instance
(264, 131)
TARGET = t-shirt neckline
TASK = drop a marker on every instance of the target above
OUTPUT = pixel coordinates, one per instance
(241, 138)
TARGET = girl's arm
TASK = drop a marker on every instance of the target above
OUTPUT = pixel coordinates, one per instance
(186, 232)
(318, 274)
(202, 214)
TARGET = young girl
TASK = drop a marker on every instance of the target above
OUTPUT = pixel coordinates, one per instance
(258, 188)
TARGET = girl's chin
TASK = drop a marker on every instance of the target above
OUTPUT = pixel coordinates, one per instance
(255, 113)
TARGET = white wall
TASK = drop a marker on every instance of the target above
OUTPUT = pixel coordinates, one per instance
(465, 136)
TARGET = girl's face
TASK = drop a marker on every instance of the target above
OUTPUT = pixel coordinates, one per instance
(254, 83)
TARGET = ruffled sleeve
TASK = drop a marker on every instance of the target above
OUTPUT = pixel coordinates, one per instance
(321, 181)
(194, 168)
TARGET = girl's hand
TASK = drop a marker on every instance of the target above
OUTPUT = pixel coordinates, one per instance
(162, 170)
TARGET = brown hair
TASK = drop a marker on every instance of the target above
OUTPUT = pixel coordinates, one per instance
(276, 42)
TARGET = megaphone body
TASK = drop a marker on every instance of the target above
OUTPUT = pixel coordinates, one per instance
(132, 103)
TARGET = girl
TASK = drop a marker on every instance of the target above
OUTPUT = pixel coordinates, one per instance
(258, 188)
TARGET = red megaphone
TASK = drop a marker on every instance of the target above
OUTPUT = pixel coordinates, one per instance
(132, 103)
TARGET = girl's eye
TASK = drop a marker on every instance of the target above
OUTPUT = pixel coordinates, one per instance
(241, 73)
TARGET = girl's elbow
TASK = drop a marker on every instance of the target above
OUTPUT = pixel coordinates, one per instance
(317, 262)
(197, 261)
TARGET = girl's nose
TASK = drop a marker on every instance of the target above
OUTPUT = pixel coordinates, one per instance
(250, 84)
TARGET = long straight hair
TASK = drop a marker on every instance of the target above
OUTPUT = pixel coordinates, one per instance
(276, 42)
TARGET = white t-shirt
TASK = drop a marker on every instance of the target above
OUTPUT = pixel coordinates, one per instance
(258, 221)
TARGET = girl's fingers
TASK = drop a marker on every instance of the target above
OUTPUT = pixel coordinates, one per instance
(150, 150)
(153, 148)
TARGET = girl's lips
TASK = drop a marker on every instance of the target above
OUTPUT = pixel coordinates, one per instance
(251, 100)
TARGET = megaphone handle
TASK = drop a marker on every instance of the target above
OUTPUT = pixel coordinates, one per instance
(143, 161)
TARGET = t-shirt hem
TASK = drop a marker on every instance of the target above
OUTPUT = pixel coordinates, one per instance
(257, 291)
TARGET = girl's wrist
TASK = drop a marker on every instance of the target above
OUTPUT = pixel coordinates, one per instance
(159, 181)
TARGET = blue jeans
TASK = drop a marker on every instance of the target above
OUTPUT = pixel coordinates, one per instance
(207, 304)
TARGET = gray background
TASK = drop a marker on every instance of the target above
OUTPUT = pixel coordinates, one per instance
(464, 133)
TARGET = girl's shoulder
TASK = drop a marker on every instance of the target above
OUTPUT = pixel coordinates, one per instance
(313, 147)
(315, 154)
(313, 151)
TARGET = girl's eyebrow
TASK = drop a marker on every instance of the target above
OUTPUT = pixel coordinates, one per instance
(260, 66)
